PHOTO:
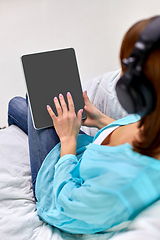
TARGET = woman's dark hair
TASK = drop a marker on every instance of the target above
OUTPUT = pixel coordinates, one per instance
(150, 134)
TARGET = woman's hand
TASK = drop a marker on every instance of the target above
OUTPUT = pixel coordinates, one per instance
(95, 118)
(66, 123)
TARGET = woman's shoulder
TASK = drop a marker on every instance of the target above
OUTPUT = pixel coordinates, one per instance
(133, 118)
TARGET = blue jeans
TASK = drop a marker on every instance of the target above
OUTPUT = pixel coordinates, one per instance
(40, 141)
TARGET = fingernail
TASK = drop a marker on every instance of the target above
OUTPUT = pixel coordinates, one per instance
(81, 110)
(55, 98)
(60, 95)
(68, 93)
(48, 106)
(86, 91)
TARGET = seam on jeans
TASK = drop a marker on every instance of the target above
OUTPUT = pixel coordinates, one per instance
(18, 122)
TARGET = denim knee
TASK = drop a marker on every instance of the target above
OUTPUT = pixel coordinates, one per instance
(12, 104)
(18, 112)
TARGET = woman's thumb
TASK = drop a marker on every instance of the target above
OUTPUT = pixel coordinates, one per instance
(79, 116)
(86, 98)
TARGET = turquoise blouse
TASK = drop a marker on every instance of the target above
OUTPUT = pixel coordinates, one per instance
(100, 187)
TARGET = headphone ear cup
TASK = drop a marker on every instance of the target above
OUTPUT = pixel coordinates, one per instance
(148, 96)
(126, 93)
(136, 94)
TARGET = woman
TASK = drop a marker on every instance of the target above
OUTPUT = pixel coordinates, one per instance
(85, 184)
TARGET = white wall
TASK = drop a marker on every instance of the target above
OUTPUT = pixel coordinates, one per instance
(93, 27)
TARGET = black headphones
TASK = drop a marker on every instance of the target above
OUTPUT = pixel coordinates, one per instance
(134, 91)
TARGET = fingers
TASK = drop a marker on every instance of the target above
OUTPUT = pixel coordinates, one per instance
(51, 113)
(79, 116)
(58, 106)
(70, 102)
(61, 105)
(86, 98)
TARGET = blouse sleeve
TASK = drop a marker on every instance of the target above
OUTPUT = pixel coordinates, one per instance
(86, 200)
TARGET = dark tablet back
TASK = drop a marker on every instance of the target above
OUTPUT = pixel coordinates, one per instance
(48, 74)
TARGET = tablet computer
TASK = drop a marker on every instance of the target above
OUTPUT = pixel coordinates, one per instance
(47, 74)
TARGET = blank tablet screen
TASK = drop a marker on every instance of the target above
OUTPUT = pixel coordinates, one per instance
(48, 74)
